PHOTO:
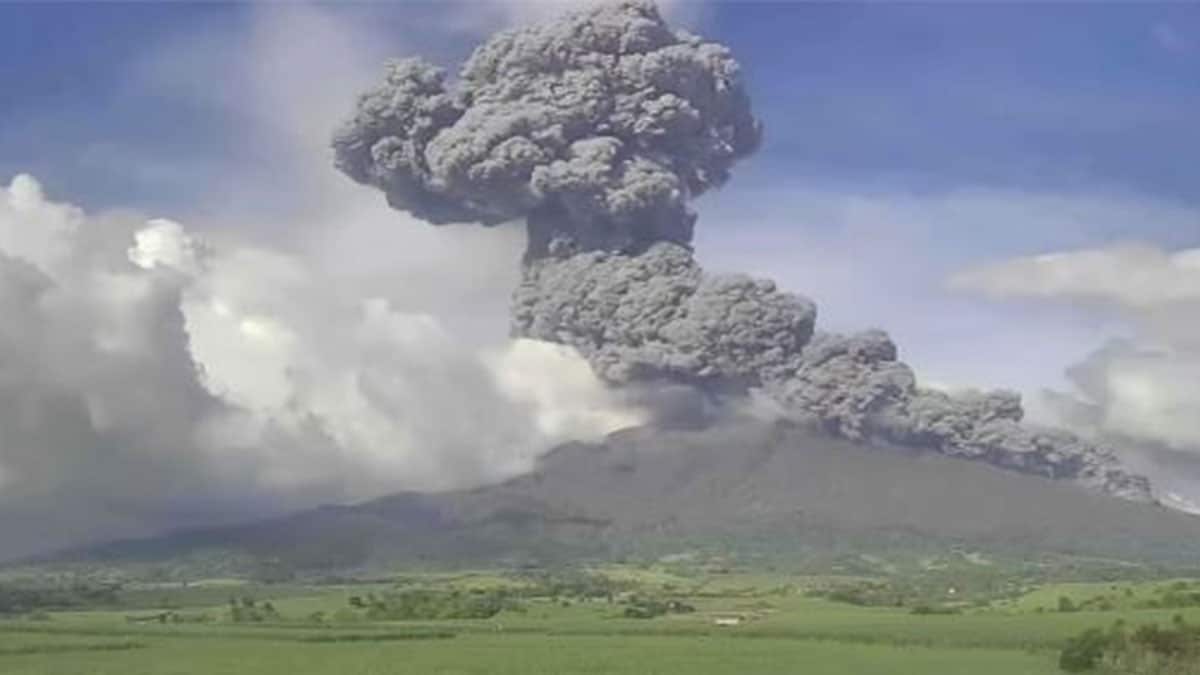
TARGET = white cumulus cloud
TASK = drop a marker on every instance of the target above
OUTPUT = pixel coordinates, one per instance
(1129, 276)
(1142, 386)
(151, 378)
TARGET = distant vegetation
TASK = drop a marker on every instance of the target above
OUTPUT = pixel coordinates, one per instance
(248, 610)
(864, 594)
(649, 608)
(24, 600)
(1147, 650)
(424, 605)
(911, 613)
(570, 583)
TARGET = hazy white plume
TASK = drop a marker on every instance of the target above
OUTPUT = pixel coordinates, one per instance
(163, 243)
(1131, 276)
(170, 380)
(1143, 387)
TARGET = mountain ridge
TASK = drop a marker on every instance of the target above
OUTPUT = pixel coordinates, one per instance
(741, 485)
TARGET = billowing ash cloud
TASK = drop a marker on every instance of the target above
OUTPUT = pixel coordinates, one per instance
(598, 129)
(854, 386)
(845, 383)
(659, 316)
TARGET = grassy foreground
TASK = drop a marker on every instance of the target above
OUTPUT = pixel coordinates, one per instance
(526, 655)
(821, 625)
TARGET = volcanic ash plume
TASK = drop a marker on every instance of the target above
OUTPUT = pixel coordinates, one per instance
(597, 130)
(658, 316)
(856, 388)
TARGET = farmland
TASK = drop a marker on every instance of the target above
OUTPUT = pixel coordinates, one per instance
(614, 619)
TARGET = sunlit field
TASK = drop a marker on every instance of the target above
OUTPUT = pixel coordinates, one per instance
(725, 623)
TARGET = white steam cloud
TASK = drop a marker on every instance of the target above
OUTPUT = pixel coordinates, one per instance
(1143, 386)
(143, 370)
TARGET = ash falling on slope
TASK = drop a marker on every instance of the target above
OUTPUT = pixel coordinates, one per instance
(597, 130)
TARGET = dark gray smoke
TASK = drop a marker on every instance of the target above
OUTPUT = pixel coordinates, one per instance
(855, 387)
(597, 130)
(657, 315)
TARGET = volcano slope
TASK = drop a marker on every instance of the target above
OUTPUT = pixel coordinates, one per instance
(743, 486)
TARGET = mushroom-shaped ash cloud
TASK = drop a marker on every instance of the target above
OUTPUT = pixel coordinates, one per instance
(597, 128)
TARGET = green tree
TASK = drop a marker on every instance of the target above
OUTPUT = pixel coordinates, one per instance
(1083, 652)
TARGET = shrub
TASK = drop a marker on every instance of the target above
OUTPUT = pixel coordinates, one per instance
(428, 604)
(927, 610)
(1083, 652)
(1162, 650)
(649, 608)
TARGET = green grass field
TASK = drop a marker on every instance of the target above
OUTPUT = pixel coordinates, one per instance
(525, 654)
(782, 629)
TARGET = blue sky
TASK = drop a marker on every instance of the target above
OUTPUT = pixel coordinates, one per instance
(904, 141)
(923, 96)
(1044, 96)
